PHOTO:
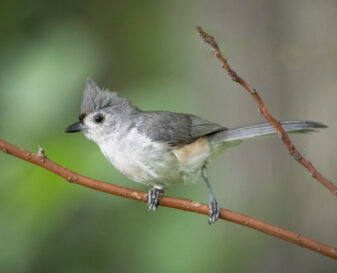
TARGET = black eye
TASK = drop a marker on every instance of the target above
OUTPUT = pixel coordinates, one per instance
(98, 118)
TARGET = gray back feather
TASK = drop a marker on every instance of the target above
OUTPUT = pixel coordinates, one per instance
(176, 129)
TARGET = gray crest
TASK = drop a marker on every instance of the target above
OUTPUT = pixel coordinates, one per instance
(95, 99)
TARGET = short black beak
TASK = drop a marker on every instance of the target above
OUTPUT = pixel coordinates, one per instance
(74, 128)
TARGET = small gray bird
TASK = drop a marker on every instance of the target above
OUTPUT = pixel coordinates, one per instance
(159, 148)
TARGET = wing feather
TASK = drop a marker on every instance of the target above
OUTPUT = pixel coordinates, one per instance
(176, 129)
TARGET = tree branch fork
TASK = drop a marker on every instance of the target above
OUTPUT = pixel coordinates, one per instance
(262, 108)
(41, 160)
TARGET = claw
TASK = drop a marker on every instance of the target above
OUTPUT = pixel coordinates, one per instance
(214, 211)
(153, 198)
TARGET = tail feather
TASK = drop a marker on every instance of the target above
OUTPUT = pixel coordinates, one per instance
(264, 129)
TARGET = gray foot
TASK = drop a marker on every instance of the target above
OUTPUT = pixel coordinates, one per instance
(153, 198)
(214, 208)
(214, 211)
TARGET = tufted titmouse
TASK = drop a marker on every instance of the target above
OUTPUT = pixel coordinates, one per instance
(160, 148)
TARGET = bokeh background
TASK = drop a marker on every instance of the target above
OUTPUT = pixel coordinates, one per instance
(149, 52)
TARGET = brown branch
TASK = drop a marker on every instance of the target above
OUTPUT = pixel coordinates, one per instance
(41, 160)
(265, 112)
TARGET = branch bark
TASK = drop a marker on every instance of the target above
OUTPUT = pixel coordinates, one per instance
(265, 112)
(41, 160)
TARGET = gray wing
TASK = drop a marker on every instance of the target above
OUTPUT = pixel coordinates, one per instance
(176, 129)
(201, 127)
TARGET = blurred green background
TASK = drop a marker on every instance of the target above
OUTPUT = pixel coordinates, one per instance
(149, 52)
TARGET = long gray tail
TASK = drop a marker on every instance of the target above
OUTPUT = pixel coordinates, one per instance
(264, 129)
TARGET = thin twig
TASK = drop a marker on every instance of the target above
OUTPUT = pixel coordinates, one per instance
(265, 112)
(178, 203)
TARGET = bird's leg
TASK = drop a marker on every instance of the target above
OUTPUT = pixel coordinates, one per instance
(153, 197)
(214, 208)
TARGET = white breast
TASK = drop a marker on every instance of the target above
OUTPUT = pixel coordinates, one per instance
(153, 163)
(139, 158)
